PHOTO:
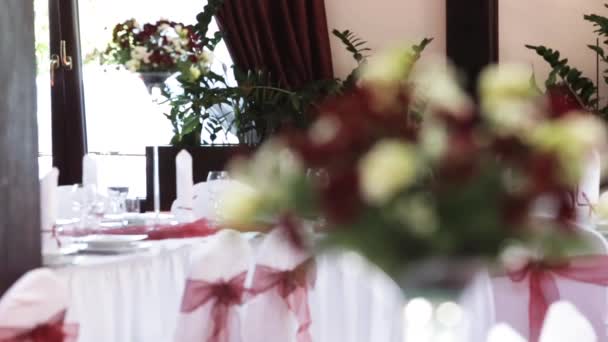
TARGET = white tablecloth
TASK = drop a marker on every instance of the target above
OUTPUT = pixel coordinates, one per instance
(133, 298)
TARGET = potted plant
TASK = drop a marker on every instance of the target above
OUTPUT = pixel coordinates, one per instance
(254, 109)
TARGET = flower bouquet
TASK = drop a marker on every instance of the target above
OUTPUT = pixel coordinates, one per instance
(410, 172)
(156, 50)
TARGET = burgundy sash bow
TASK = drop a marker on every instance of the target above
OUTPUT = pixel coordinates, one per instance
(54, 330)
(292, 286)
(223, 294)
(543, 287)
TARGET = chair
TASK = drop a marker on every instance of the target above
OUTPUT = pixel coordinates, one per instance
(35, 308)
(278, 310)
(215, 290)
(511, 298)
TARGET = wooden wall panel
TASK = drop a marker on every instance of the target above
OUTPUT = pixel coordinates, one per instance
(19, 196)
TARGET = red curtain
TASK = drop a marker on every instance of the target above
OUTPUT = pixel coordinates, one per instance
(289, 38)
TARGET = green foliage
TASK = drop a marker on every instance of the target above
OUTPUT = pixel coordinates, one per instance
(584, 88)
(258, 103)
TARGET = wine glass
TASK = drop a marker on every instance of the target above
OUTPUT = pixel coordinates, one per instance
(216, 179)
(217, 175)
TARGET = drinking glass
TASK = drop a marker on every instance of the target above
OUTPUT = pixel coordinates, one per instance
(216, 178)
(117, 196)
(132, 205)
(88, 205)
(217, 175)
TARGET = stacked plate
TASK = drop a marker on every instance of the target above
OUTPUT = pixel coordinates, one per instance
(113, 244)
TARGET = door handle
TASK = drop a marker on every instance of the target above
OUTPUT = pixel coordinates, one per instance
(66, 60)
(55, 64)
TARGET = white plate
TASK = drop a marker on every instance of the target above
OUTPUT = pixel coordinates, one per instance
(130, 248)
(111, 241)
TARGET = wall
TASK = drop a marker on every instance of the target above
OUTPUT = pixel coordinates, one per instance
(557, 24)
(384, 23)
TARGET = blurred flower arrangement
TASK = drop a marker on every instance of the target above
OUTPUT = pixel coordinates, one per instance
(156, 47)
(455, 181)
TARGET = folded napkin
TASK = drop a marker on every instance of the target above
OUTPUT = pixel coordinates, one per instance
(89, 171)
(48, 200)
(588, 191)
(182, 208)
(37, 298)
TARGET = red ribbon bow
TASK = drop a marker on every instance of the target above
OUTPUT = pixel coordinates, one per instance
(54, 330)
(292, 286)
(543, 287)
(224, 294)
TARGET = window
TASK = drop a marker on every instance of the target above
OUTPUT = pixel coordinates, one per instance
(122, 117)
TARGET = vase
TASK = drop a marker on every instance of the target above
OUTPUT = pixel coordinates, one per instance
(154, 79)
(434, 289)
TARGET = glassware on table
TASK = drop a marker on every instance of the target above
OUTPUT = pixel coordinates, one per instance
(133, 205)
(214, 190)
(88, 206)
(117, 196)
(217, 175)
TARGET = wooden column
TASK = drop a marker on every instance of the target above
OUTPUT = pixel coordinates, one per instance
(19, 198)
(472, 36)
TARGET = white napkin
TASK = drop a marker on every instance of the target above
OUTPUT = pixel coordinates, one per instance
(589, 187)
(89, 171)
(48, 200)
(184, 186)
(34, 299)
(564, 323)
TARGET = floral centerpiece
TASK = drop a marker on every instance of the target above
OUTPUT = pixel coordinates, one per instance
(460, 184)
(155, 49)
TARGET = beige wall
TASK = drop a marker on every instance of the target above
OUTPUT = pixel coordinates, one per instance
(385, 23)
(554, 23)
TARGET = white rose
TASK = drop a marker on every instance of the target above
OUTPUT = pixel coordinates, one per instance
(393, 65)
(388, 168)
(133, 65)
(505, 83)
(141, 53)
(194, 73)
(240, 205)
(437, 85)
(571, 139)
(164, 27)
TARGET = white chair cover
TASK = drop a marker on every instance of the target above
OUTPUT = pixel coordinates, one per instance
(268, 317)
(40, 297)
(511, 298)
(226, 261)
(564, 323)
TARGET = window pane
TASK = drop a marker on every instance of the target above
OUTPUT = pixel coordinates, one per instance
(43, 84)
(122, 116)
